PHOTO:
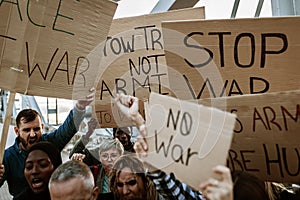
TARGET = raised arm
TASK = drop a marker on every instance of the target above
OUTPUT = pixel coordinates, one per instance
(67, 130)
(218, 189)
(129, 106)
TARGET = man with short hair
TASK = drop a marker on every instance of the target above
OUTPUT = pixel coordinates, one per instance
(29, 131)
(73, 180)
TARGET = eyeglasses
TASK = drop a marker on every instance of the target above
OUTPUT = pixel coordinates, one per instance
(106, 156)
(130, 183)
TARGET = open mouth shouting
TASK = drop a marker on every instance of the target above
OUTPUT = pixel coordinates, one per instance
(37, 184)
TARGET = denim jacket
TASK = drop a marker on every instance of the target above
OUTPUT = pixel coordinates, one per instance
(14, 157)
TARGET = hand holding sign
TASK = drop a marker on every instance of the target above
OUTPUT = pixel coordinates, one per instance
(221, 188)
(82, 103)
(214, 189)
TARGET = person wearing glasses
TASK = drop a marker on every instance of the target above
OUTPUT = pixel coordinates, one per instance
(109, 151)
(91, 155)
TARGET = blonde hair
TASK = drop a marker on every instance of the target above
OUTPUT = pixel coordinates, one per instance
(109, 143)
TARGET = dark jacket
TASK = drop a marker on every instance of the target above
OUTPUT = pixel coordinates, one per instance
(106, 196)
(90, 157)
(14, 157)
(28, 194)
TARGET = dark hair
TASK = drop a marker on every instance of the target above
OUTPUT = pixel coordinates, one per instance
(26, 115)
(126, 130)
(248, 187)
(50, 150)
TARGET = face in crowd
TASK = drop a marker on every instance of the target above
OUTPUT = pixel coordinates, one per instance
(29, 128)
(73, 180)
(129, 181)
(109, 151)
(42, 159)
(129, 185)
(123, 134)
(107, 159)
(71, 189)
(37, 171)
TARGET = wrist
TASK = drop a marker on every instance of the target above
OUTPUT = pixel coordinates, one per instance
(84, 139)
(141, 127)
(79, 107)
(137, 119)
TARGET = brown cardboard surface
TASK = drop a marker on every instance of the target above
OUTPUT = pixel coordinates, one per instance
(217, 58)
(45, 45)
(187, 138)
(6, 124)
(266, 134)
(134, 61)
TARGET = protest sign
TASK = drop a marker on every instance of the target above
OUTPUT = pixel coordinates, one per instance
(44, 45)
(266, 134)
(217, 58)
(6, 124)
(109, 115)
(133, 59)
(186, 138)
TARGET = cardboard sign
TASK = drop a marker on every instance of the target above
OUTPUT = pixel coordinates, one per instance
(266, 139)
(107, 116)
(133, 59)
(217, 58)
(44, 45)
(187, 137)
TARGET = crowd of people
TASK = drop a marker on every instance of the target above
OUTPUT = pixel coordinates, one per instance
(33, 166)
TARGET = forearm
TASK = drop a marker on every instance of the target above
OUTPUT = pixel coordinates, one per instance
(168, 186)
(67, 130)
(78, 147)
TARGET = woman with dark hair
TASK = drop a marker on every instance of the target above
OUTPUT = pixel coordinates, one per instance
(42, 159)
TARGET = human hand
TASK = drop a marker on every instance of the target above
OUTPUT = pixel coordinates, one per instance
(78, 156)
(222, 189)
(141, 145)
(82, 103)
(92, 125)
(129, 106)
(2, 170)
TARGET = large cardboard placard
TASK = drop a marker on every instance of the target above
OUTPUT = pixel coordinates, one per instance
(186, 138)
(266, 139)
(134, 61)
(44, 45)
(217, 58)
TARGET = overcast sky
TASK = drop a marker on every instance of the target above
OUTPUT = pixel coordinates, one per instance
(214, 9)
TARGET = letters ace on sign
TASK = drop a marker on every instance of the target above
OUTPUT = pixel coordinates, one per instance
(185, 137)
